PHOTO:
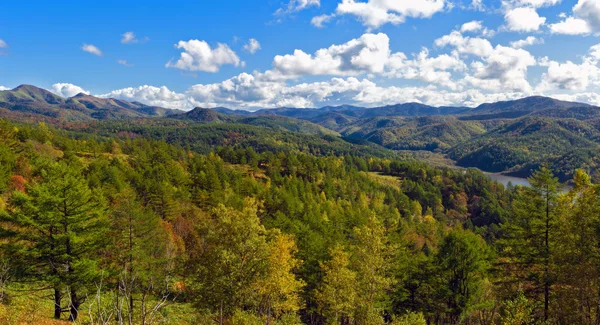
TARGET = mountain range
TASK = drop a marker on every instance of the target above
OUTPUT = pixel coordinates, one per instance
(26, 100)
(508, 136)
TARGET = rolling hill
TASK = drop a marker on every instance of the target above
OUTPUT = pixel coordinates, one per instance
(25, 100)
(509, 136)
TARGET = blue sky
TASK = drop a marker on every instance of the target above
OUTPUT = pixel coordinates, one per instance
(304, 53)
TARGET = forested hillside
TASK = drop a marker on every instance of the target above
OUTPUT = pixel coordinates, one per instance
(101, 227)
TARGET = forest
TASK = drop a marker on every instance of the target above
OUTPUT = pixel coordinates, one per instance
(128, 225)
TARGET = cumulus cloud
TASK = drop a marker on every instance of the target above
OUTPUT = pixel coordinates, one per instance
(571, 26)
(501, 68)
(253, 46)
(431, 70)
(585, 20)
(319, 21)
(471, 27)
(466, 45)
(128, 38)
(91, 49)
(3, 44)
(376, 13)
(530, 40)
(505, 69)
(572, 76)
(154, 96)
(4, 88)
(367, 54)
(297, 5)
(589, 10)
(248, 91)
(67, 90)
(199, 56)
(524, 19)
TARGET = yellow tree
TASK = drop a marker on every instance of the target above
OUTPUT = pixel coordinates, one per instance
(372, 261)
(278, 291)
(336, 296)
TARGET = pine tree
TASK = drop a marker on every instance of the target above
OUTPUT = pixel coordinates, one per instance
(531, 233)
(57, 230)
(140, 250)
(463, 264)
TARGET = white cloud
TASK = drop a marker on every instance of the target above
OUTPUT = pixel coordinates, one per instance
(128, 38)
(471, 27)
(367, 54)
(595, 52)
(319, 21)
(253, 46)
(530, 40)
(2, 88)
(585, 20)
(589, 10)
(477, 5)
(534, 3)
(376, 13)
(248, 91)
(466, 45)
(297, 5)
(590, 98)
(199, 56)
(67, 90)
(3, 44)
(568, 75)
(150, 95)
(571, 76)
(505, 69)
(571, 26)
(124, 62)
(91, 49)
(431, 70)
(523, 19)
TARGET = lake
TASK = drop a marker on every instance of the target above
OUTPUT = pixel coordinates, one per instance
(517, 181)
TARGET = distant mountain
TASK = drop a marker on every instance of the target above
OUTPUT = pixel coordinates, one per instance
(200, 114)
(27, 100)
(278, 123)
(535, 106)
(338, 116)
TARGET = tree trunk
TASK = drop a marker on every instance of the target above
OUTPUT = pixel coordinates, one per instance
(57, 303)
(74, 309)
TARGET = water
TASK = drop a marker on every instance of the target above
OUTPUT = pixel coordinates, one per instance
(506, 179)
(518, 181)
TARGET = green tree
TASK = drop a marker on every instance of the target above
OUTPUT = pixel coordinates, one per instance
(232, 257)
(463, 261)
(57, 230)
(531, 234)
(141, 250)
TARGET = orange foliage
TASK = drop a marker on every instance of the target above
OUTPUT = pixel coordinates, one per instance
(17, 183)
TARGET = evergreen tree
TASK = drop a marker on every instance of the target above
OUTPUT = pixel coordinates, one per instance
(463, 264)
(531, 234)
(57, 230)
